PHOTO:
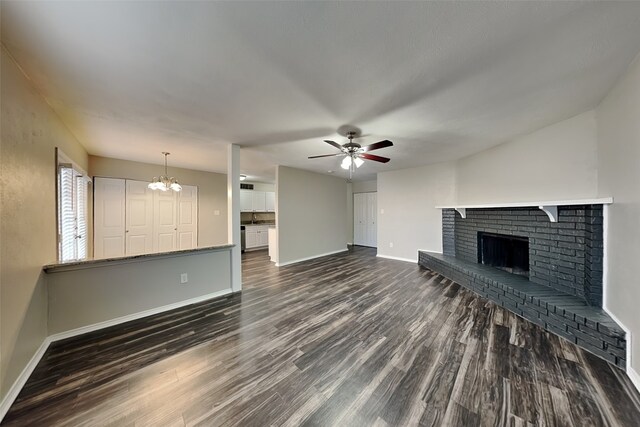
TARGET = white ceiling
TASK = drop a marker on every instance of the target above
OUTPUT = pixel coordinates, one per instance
(440, 79)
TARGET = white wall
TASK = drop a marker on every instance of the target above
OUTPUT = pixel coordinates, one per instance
(83, 297)
(261, 186)
(554, 163)
(410, 220)
(619, 176)
(212, 191)
(365, 186)
(30, 133)
(311, 214)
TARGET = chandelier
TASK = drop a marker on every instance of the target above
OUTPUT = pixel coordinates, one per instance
(164, 183)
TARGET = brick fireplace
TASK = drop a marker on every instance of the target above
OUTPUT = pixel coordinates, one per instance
(543, 265)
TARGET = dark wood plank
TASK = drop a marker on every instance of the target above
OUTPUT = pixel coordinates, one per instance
(349, 339)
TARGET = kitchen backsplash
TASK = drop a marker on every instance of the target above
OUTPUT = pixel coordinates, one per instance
(257, 217)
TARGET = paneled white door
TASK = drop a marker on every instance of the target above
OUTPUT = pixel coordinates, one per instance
(372, 210)
(364, 219)
(166, 222)
(359, 219)
(139, 214)
(109, 218)
(187, 217)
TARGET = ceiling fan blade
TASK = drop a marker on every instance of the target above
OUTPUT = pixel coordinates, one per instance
(335, 144)
(374, 158)
(327, 155)
(378, 145)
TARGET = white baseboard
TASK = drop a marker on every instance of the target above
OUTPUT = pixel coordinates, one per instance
(112, 322)
(282, 264)
(634, 377)
(414, 261)
(17, 385)
(15, 389)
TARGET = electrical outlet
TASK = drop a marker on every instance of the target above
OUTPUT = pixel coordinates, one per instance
(390, 244)
(381, 211)
(184, 278)
(216, 212)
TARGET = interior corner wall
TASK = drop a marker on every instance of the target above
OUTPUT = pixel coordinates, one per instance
(30, 132)
(557, 162)
(408, 198)
(618, 118)
(311, 214)
(212, 192)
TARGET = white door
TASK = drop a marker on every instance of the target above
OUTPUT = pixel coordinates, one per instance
(359, 219)
(109, 217)
(139, 218)
(259, 201)
(270, 201)
(246, 201)
(187, 217)
(371, 217)
(166, 224)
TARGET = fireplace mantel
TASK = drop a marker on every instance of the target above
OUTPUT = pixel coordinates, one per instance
(549, 207)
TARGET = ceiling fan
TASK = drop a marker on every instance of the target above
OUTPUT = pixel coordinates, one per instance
(354, 153)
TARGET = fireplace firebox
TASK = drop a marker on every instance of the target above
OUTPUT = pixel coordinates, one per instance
(505, 252)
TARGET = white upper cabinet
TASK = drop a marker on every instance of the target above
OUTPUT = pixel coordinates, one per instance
(246, 200)
(270, 201)
(257, 201)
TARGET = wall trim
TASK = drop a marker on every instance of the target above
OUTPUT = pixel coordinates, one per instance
(295, 261)
(135, 316)
(17, 385)
(396, 258)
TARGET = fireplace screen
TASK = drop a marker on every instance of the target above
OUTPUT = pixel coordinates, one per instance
(508, 253)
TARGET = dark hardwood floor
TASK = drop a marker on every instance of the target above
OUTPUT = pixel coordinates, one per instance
(345, 340)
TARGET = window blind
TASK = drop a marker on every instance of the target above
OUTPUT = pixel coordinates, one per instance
(72, 213)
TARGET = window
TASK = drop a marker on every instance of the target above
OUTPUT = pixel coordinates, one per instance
(72, 210)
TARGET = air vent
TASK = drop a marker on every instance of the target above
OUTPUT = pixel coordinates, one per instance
(246, 186)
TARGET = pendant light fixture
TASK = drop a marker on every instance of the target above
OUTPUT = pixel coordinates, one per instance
(164, 183)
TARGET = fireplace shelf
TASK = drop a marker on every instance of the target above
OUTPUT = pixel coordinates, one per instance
(567, 316)
(548, 207)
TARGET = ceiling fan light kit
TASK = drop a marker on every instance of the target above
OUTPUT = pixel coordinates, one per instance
(164, 182)
(355, 154)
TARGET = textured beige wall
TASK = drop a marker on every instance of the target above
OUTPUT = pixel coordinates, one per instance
(311, 214)
(81, 298)
(619, 176)
(212, 191)
(30, 132)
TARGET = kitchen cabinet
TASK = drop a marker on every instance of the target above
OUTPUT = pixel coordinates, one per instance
(257, 201)
(270, 201)
(256, 236)
(246, 201)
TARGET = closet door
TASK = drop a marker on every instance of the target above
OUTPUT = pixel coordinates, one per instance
(187, 237)
(164, 218)
(109, 217)
(371, 219)
(139, 218)
(359, 219)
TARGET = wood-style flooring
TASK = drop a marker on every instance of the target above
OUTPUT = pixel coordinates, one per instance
(345, 340)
